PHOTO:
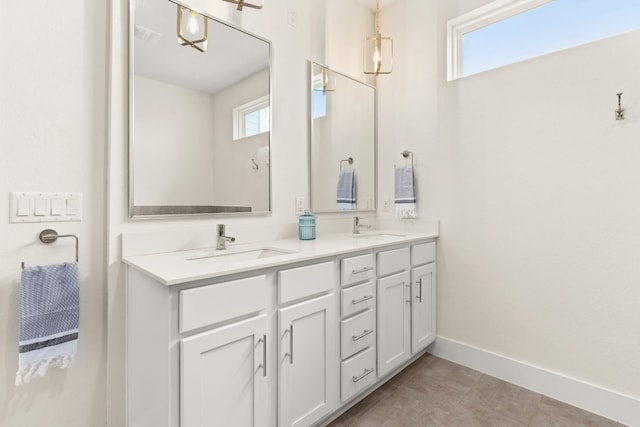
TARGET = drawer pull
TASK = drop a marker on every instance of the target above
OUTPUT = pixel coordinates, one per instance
(263, 340)
(408, 286)
(419, 297)
(363, 299)
(290, 353)
(361, 376)
(362, 270)
(362, 335)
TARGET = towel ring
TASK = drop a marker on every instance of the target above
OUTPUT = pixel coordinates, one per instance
(49, 236)
(406, 154)
(349, 160)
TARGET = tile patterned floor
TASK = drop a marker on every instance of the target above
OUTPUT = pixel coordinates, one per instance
(435, 392)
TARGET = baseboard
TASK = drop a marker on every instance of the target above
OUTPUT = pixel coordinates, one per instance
(607, 403)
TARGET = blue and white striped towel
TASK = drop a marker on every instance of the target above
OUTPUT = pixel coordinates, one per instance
(405, 192)
(50, 310)
(346, 192)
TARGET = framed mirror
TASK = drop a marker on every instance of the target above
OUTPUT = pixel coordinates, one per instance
(200, 105)
(343, 142)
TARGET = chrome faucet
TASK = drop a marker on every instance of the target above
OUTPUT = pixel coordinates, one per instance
(357, 225)
(222, 239)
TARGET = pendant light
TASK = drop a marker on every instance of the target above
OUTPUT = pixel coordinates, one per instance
(189, 26)
(324, 81)
(378, 50)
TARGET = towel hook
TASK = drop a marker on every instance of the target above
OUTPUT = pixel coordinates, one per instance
(406, 154)
(49, 236)
(348, 160)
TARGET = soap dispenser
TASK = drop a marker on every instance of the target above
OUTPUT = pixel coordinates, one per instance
(307, 226)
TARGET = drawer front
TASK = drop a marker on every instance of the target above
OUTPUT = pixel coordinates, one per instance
(357, 374)
(423, 253)
(305, 281)
(357, 269)
(208, 305)
(358, 298)
(357, 333)
(393, 261)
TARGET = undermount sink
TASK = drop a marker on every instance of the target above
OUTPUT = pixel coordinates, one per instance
(376, 235)
(239, 256)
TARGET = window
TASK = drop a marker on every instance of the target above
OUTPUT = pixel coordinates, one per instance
(508, 31)
(251, 118)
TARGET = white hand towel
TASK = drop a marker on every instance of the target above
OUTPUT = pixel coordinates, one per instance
(49, 316)
(405, 192)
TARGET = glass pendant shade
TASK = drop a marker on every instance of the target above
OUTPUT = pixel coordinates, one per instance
(378, 55)
(323, 79)
(189, 23)
(378, 50)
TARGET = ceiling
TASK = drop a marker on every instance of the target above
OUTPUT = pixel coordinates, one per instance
(232, 54)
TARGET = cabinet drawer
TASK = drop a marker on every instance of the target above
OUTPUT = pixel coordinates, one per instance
(358, 298)
(357, 269)
(208, 305)
(423, 253)
(357, 333)
(393, 261)
(357, 374)
(305, 281)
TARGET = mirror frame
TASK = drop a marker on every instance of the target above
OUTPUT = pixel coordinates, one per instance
(184, 211)
(311, 64)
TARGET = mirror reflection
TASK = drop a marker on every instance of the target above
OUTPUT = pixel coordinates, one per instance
(343, 147)
(200, 114)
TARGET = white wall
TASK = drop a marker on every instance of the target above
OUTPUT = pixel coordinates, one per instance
(173, 145)
(52, 133)
(536, 186)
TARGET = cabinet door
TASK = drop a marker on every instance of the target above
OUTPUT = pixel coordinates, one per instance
(394, 307)
(423, 310)
(308, 375)
(223, 376)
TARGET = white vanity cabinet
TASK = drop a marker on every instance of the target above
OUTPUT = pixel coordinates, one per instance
(358, 325)
(223, 376)
(288, 344)
(423, 303)
(406, 303)
(307, 343)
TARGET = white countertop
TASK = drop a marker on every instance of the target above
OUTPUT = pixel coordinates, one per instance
(171, 268)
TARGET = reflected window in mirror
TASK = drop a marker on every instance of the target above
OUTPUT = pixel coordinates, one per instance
(184, 109)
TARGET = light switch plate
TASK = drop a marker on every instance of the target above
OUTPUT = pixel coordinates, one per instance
(44, 207)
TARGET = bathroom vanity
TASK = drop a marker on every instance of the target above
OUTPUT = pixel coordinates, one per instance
(282, 333)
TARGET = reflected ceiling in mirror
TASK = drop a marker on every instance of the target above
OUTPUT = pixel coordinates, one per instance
(199, 121)
(343, 142)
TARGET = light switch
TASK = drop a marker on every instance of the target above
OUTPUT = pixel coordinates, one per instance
(72, 207)
(40, 207)
(57, 207)
(24, 207)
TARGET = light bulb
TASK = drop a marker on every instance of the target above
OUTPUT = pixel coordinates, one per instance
(192, 23)
(377, 60)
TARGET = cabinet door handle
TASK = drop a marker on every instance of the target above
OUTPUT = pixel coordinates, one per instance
(362, 270)
(363, 299)
(361, 376)
(362, 335)
(408, 286)
(291, 344)
(264, 355)
(419, 297)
